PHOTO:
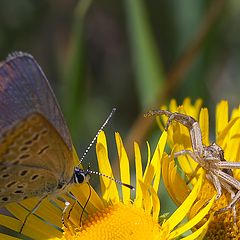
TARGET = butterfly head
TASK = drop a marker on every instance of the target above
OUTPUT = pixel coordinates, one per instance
(81, 175)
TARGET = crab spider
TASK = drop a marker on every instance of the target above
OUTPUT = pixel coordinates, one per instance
(210, 158)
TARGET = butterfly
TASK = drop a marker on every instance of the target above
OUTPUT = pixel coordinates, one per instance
(36, 151)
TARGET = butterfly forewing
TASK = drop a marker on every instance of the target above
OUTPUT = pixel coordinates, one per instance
(24, 89)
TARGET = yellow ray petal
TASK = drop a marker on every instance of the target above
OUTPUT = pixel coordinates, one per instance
(198, 104)
(82, 193)
(6, 237)
(200, 233)
(9, 222)
(155, 204)
(154, 166)
(46, 210)
(124, 167)
(182, 211)
(158, 156)
(34, 227)
(221, 116)
(173, 105)
(194, 221)
(146, 198)
(176, 187)
(235, 112)
(204, 125)
(139, 175)
(109, 188)
(222, 137)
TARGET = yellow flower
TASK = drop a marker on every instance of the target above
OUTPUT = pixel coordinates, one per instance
(116, 214)
(228, 138)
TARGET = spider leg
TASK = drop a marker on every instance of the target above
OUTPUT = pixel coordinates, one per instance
(193, 156)
(232, 205)
(187, 121)
(225, 177)
(184, 119)
(228, 165)
(187, 152)
(193, 127)
(217, 184)
(230, 181)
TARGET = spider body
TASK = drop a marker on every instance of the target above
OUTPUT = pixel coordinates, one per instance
(210, 158)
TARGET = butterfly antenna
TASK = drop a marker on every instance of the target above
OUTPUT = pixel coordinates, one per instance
(95, 138)
(111, 178)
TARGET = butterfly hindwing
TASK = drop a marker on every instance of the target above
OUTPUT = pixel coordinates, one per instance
(32, 153)
(22, 182)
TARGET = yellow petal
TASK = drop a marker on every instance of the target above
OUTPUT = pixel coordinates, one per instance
(34, 227)
(176, 187)
(173, 105)
(10, 222)
(221, 116)
(124, 167)
(232, 145)
(197, 105)
(194, 221)
(139, 175)
(82, 193)
(155, 204)
(153, 168)
(222, 137)
(182, 211)
(204, 125)
(146, 198)
(6, 237)
(109, 188)
(157, 159)
(200, 233)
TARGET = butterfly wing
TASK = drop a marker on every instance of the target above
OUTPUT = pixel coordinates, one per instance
(34, 157)
(24, 89)
(33, 133)
(30, 182)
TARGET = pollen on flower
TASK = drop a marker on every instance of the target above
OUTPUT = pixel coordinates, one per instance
(118, 221)
(222, 226)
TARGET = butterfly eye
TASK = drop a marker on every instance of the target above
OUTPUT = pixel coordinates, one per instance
(80, 176)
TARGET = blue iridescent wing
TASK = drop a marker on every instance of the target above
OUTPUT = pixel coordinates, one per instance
(24, 89)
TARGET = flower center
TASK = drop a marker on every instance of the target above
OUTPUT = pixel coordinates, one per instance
(118, 222)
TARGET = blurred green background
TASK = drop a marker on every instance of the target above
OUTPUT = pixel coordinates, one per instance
(132, 54)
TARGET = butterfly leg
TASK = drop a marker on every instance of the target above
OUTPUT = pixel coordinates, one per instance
(66, 217)
(32, 212)
(68, 207)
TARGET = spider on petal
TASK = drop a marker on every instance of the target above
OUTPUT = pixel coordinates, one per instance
(210, 158)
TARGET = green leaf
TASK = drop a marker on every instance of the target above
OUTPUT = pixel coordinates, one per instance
(147, 62)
